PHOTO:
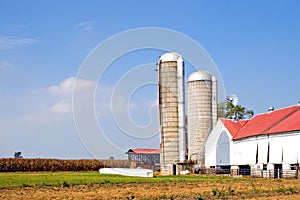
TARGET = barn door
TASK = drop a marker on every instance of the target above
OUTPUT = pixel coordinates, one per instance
(277, 170)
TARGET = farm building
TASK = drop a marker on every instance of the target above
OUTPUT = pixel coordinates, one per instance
(265, 146)
(144, 158)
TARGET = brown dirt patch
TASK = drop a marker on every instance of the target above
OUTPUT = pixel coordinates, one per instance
(267, 189)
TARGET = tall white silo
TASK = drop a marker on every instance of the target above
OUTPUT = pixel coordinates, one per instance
(171, 109)
(199, 111)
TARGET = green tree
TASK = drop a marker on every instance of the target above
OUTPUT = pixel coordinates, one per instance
(18, 154)
(236, 112)
(221, 110)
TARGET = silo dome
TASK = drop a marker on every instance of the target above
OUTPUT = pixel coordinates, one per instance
(200, 76)
(170, 56)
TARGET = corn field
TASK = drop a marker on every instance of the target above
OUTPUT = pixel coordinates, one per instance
(39, 164)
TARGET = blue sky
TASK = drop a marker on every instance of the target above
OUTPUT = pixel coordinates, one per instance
(255, 45)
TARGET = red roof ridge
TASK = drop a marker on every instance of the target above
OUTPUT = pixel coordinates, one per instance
(233, 130)
(246, 121)
(279, 121)
(144, 150)
(263, 123)
(275, 110)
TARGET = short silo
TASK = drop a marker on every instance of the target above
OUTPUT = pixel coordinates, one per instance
(171, 109)
(199, 112)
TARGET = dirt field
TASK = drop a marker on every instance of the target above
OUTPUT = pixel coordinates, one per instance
(258, 189)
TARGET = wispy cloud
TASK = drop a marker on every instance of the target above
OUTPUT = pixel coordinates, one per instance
(7, 42)
(87, 25)
(6, 66)
(61, 108)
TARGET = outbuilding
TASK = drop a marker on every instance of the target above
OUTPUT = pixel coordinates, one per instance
(144, 158)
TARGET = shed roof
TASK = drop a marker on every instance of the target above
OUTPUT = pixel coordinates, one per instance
(278, 121)
(143, 151)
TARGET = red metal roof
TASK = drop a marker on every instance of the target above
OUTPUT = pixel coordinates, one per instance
(233, 126)
(290, 123)
(143, 151)
(278, 121)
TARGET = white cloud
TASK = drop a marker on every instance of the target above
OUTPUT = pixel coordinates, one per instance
(7, 42)
(62, 94)
(66, 87)
(63, 88)
(61, 108)
(52, 104)
(83, 85)
(87, 25)
(6, 66)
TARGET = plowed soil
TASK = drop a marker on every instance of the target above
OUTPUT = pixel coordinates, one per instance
(258, 189)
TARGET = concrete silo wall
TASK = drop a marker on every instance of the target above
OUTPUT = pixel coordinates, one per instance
(199, 111)
(169, 121)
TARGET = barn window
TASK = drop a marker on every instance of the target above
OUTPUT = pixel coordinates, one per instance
(264, 167)
(293, 166)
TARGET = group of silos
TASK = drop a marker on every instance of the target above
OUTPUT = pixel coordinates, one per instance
(183, 136)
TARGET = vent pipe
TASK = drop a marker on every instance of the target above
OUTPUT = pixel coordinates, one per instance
(271, 109)
(214, 101)
(181, 110)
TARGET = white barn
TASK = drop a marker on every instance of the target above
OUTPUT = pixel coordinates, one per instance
(266, 145)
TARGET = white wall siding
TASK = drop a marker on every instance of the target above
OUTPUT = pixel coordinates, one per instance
(262, 143)
(284, 148)
(210, 144)
(244, 152)
(275, 149)
(289, 144)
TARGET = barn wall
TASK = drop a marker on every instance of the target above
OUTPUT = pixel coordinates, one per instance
(279, 148)
(210, 145)
(262, 143)
(275, 149)
(284, 148)
(244, 152)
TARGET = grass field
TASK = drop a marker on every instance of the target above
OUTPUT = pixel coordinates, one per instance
(30, 179)
(92, 185)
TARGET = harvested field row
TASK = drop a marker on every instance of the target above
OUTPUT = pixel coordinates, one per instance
(96, 186)
(150, 191)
